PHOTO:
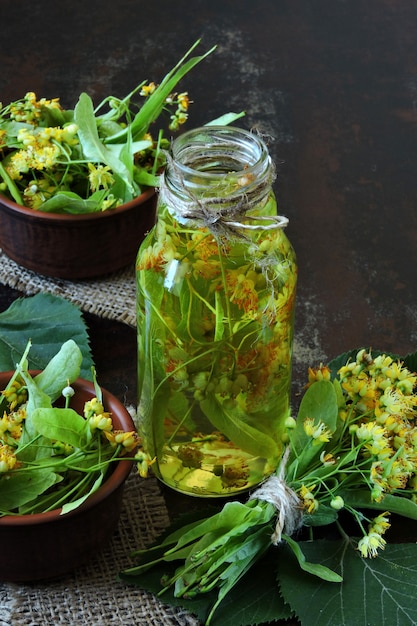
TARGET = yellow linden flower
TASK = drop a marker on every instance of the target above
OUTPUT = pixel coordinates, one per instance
(18, 164)
(397, 475)
(144, 462)
(208, 270)
(370, 431)
(204, 246)
(93, 407)
(110, 202)
(7, 458)
(101, 421)
(369, 545)
(378, 480)
(320, 373)
(395, 402)
(327, 458)
(318, 431)
(178, 119)
(100, 176)
(129, 440)
(380, 524)
(147, 90)
(183, 101)
(44, 157)
(243, 292)
(307, 497)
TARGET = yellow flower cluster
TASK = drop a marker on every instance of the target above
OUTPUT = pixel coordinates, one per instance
(42, 148)
(99, 419)
(12, 420)
(181, 100)
(383, 406)
(30, 109)
(7, 458)
(360, 446)
(11, 424)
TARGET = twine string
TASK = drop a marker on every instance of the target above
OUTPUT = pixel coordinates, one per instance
(287, 503)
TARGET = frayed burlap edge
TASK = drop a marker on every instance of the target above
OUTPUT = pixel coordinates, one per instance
(112, 296)
(92, 595)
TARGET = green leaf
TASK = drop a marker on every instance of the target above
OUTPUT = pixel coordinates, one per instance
(92, 146)
(145, 178)
(227, 118)
(17, 488)
(70, 506)
(254, 600)
(320, 403)
(70, 202)
(48, 321)
(64, 425)
(410, 361)
(11, 185)
(63, 369)
(323, 516)
(155, 103)
(317, 569)
(379, 591)
(395, 504)
(231, 422)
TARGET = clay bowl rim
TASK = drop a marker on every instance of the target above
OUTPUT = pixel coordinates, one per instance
(117, 477)
(34, 214)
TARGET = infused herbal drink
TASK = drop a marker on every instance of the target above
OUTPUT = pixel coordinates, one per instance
(216, 281)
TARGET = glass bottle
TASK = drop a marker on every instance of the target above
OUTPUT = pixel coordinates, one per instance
(216, 281)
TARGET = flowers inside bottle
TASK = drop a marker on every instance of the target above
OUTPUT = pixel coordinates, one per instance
(216, 282)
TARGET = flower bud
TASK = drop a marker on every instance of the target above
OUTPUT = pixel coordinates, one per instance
(290, 423)
(337, 503)
(68, 391)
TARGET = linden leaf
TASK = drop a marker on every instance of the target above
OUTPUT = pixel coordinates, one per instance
(375, 591)
(231, 422)
(92, 146)
(64, 425)
(48, 321)
(320, 404)
(18, 489)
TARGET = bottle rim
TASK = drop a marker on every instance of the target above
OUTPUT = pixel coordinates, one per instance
(244, 151)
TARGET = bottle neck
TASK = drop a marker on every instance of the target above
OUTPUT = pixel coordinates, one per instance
(217, 173)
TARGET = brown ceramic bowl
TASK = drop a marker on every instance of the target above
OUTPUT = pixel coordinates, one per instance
(75, 246)
(48, 545)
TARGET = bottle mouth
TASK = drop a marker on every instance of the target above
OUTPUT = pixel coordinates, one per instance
(209, 153)
(218, 177)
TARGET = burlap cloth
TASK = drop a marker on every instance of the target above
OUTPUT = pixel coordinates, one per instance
(91, 596)
(112, 297)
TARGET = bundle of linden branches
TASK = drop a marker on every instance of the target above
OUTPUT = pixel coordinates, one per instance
(351, 450)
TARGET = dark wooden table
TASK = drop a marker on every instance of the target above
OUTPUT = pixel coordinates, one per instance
(332, 84)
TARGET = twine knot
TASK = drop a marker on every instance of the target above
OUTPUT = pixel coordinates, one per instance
(276, 491)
